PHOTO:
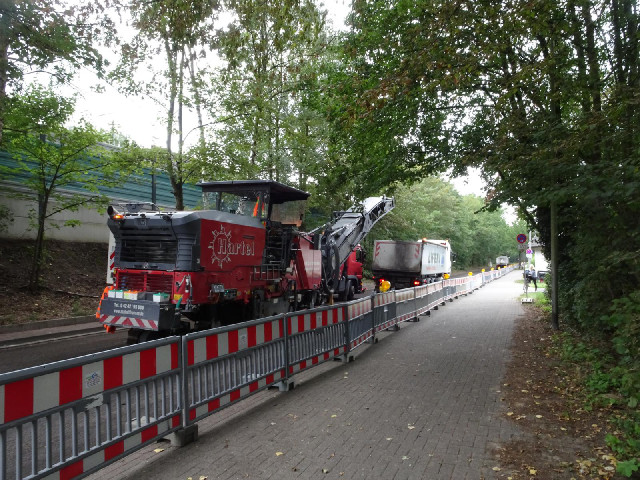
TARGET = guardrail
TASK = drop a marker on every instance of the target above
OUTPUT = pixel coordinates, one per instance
(69, 419)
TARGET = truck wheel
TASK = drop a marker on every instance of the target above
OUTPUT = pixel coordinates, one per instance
(343, 294)
(313, 299)
(148, 335)
(133, 336)
(351, 291)
(136, 336)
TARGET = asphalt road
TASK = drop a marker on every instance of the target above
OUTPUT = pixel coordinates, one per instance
(66, 346)
(52, 350)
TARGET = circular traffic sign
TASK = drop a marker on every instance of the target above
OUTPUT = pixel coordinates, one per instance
(521, 238)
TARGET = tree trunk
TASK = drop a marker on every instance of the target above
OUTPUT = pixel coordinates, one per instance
(173, 93)
(179, 167)
(197, 98)
(36, 261)
(578, 44)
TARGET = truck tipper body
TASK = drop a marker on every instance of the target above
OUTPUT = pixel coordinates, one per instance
(406, 264)
(502, 261)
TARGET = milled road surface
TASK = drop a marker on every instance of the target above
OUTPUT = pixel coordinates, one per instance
(16, 356)
(423, 403)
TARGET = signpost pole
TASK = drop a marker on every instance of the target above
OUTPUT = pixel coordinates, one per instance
(554, 266)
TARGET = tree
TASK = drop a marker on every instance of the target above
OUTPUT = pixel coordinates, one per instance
(45, 36)
(267, 124)
(543, 97)
(539, 95)
(178, 31)
(64, 166)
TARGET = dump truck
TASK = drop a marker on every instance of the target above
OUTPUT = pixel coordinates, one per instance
(406, 264)
(502, 261)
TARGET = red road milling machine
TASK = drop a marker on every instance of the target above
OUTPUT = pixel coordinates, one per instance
(241, 257)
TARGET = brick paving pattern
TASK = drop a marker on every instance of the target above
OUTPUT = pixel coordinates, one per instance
(423, 403)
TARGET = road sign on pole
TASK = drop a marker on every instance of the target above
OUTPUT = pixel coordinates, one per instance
(521, 238)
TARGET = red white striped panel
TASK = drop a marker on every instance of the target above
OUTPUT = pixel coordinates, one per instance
(387, 324)
(220, 344)
(384, 299)
(298, 367)
(421, 291)
(158, 430)
(404, 295)
(312, 320)
(129, 322)
(235, 395)
(32, 395)
(360, 308)
(361, 339)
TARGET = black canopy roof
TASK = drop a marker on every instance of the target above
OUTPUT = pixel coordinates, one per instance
(278, 192)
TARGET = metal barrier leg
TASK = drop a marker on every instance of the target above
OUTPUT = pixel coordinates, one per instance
(286, 385)
(346, 358)
(184, 436)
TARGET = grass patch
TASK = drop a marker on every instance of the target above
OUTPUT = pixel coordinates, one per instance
(540, 299)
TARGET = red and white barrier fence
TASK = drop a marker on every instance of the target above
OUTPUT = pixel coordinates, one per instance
(68, 419)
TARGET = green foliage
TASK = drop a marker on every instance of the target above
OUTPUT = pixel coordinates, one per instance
(541, 300)
(178, 32)
(624, 319)
(628, 467)
(607, 382)
(37, 35)
(433, 209)
(45, 37)
(268, 120)
(77, 309)
(541, 96)
(62, 168)
(6, 218)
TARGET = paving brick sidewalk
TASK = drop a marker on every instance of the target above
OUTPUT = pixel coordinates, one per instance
(423, 403)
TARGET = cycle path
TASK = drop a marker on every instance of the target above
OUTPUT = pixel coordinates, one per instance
(423, 403)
